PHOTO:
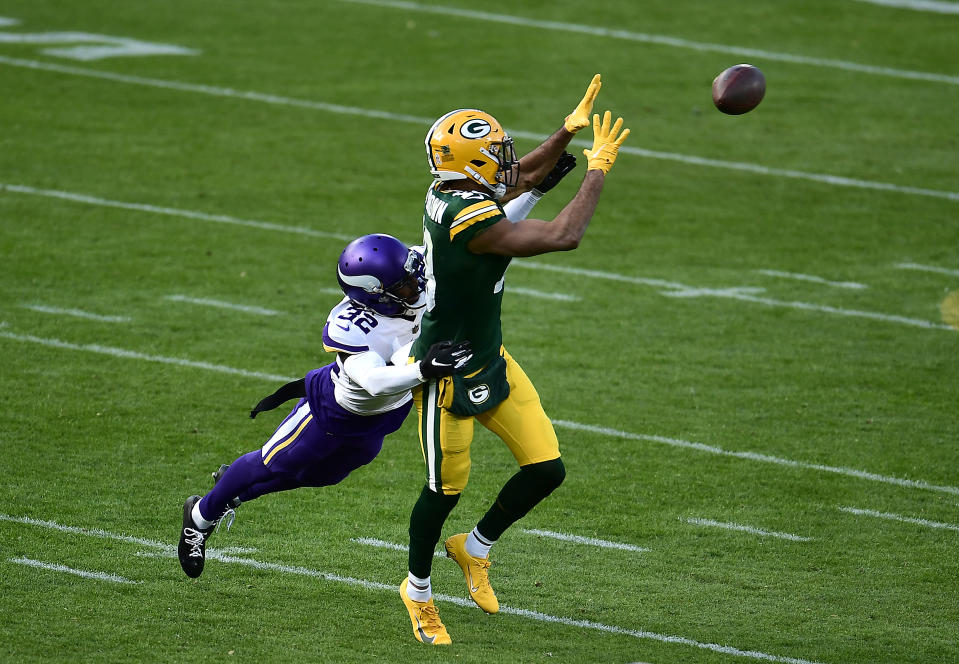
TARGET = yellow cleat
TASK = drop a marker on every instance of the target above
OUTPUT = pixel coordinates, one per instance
(475, 571)
(427, 626)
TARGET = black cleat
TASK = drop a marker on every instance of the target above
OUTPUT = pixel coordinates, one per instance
(192, 547)
(217, 474)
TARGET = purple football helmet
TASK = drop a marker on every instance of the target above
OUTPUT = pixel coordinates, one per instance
(380, 272)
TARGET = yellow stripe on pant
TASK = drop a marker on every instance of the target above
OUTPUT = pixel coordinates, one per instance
(519, 421)
(289, 440)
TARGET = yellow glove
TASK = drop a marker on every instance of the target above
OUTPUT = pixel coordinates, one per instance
(605, 143)
(579, 118)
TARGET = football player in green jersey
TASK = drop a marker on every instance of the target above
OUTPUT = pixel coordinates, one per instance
(469, 240)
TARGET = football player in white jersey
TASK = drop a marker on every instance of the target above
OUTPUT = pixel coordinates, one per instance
(345, 408)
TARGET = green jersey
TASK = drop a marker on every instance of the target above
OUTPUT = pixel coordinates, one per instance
(464, 291)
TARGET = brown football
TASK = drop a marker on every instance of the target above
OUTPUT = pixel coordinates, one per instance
(739, 89)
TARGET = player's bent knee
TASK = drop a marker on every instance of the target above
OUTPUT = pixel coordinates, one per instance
(547, 474)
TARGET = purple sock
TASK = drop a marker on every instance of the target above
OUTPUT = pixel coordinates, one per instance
(243, 474)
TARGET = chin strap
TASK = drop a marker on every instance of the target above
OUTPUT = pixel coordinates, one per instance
(293, 390)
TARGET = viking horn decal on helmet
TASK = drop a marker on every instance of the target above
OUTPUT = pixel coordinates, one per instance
(367, 282)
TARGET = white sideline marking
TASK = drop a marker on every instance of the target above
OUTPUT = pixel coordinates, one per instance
(54, 567)
(677, 289)
(821, 178)
(168, 551)
(563, 297)
(752, 456)
(77, 313)
(919, 5)
(5, 21)
(578, 539)
(662, 40)
(134, 355)
(756, 456)
(816, 280)
(173, 212)
(223, 305)
(746, 529)
(899, 517)
(928, 268)
(742, 294)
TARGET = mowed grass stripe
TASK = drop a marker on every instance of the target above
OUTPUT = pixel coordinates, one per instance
(820, 178)
(673, 289)
(166, 551)
(563, 424)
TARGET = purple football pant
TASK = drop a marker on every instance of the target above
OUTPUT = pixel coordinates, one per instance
(303, 453)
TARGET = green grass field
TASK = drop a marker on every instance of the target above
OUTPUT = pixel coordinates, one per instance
(752, 360)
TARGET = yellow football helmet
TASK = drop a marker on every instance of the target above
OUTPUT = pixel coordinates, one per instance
(470, 144)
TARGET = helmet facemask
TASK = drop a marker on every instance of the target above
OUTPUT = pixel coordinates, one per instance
(379, 272)
(404, 290)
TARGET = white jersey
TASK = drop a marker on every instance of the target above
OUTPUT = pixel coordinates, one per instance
(364, 383)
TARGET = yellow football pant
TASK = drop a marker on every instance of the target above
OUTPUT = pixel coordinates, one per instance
(519, 421)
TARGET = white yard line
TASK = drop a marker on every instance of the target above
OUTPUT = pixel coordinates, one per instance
(54, 567)
(529, 292)
(674, 289)
(88, 532)
(928, 268)
(899, 517)
(813, 279)
(238, 550)
(757, 456)
(206, 302)
(76, 313)
(168, 211)
(821, 178)
(741, 294)
(661, 40)
(134, 355)
(579, 539)
(393, 546)
(934, 6)
(566, 424)
(746, 529)
(393, 588)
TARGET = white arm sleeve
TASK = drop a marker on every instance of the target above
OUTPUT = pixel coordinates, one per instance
(371, 372)
(520, 207)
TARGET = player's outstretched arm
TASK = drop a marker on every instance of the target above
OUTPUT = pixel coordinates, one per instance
(520, 207)
(532, 237)
(534, 166)
(373, 374)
